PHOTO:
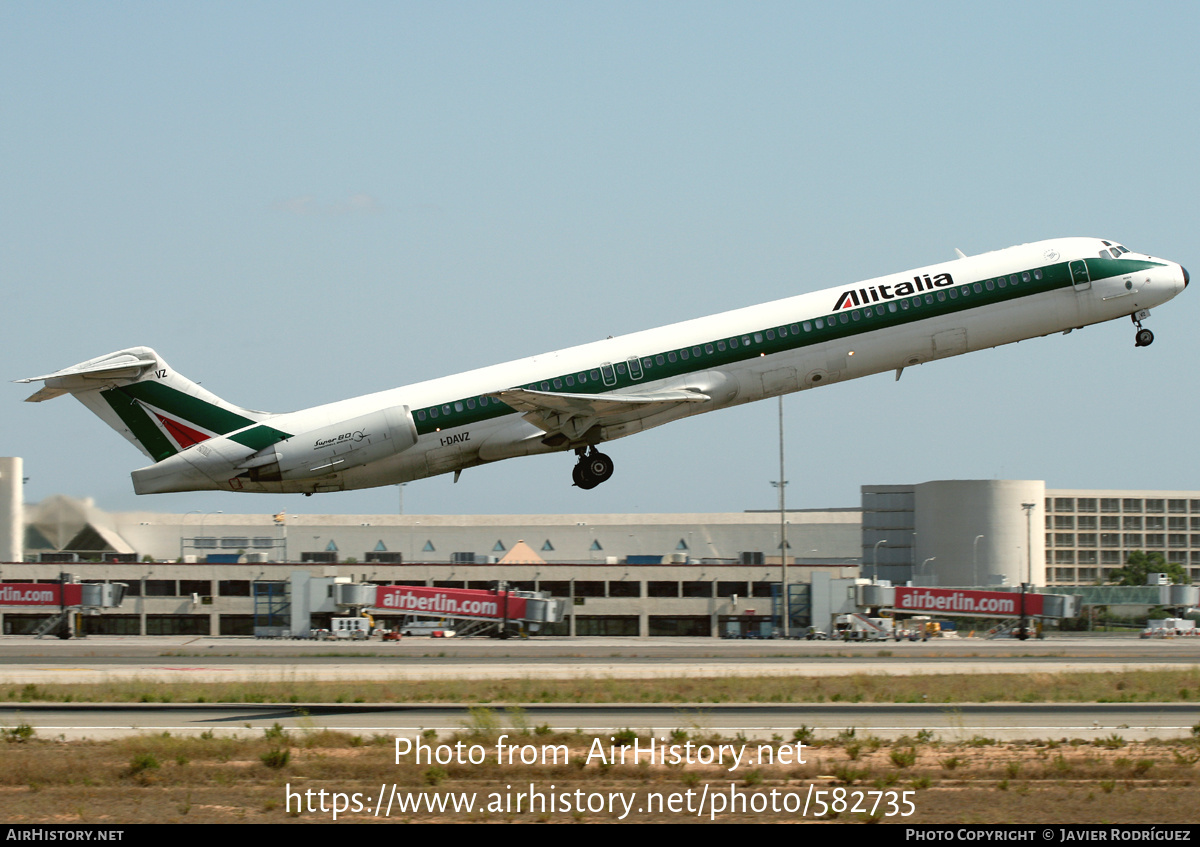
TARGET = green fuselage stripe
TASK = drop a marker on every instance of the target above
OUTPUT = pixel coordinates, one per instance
(839, 324)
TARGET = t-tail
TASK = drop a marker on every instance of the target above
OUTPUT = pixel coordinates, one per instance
(136, 393)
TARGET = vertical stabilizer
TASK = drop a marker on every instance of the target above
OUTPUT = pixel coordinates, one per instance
(136, 393)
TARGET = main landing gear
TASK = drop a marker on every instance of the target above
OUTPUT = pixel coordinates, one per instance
(1144, 337)
(592, 469)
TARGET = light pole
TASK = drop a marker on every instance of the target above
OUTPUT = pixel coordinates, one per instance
(204, 520)
(975, 559)
(1028, 507)
(926, 562)
(783, 543)
(181, 524)
(875, 561)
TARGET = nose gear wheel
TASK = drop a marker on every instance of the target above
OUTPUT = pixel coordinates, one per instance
(1143, 337)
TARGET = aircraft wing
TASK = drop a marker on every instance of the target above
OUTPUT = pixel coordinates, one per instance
(574, 414)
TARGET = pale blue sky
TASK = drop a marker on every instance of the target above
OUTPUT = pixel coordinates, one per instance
(299, 202)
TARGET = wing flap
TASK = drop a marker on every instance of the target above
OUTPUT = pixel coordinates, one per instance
(572, 415)
(597, 405)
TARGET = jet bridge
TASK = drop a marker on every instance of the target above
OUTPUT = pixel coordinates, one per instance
(466, 610)
(470, 610)
(68, 597)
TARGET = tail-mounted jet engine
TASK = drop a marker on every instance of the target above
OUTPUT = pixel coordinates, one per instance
(337, 447)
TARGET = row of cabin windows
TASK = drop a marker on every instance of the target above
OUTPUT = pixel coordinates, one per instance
(636, 366)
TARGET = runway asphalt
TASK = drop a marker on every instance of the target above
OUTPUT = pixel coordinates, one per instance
(172, 659)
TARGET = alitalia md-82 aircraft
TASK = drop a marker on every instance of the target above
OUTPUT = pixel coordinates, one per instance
(579, 398)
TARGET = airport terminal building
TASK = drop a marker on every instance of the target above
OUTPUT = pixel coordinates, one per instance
(669, 574)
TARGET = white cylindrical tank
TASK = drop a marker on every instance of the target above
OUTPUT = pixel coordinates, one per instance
(951, 514)
(12, 510)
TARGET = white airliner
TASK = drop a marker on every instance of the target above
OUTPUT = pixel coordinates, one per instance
(578, 398)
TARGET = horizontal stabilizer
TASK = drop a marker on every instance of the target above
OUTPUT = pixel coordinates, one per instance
(122, 365)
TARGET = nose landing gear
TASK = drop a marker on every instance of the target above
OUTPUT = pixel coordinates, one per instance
(592, 469)
(1143, 337)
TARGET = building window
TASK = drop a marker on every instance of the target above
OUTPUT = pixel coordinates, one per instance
(728, 589)
(178, 625)
(606, 625)
(589, 588)
(693, 626)
(625, 588)
(662, 588)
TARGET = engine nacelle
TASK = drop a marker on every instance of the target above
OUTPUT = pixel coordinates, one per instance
(337, 447)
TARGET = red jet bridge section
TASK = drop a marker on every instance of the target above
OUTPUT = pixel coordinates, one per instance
(67, 597)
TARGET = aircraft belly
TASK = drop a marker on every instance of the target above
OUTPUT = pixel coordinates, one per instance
(779, 381)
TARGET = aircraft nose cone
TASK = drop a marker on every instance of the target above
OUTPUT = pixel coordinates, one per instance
(1186, 278)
